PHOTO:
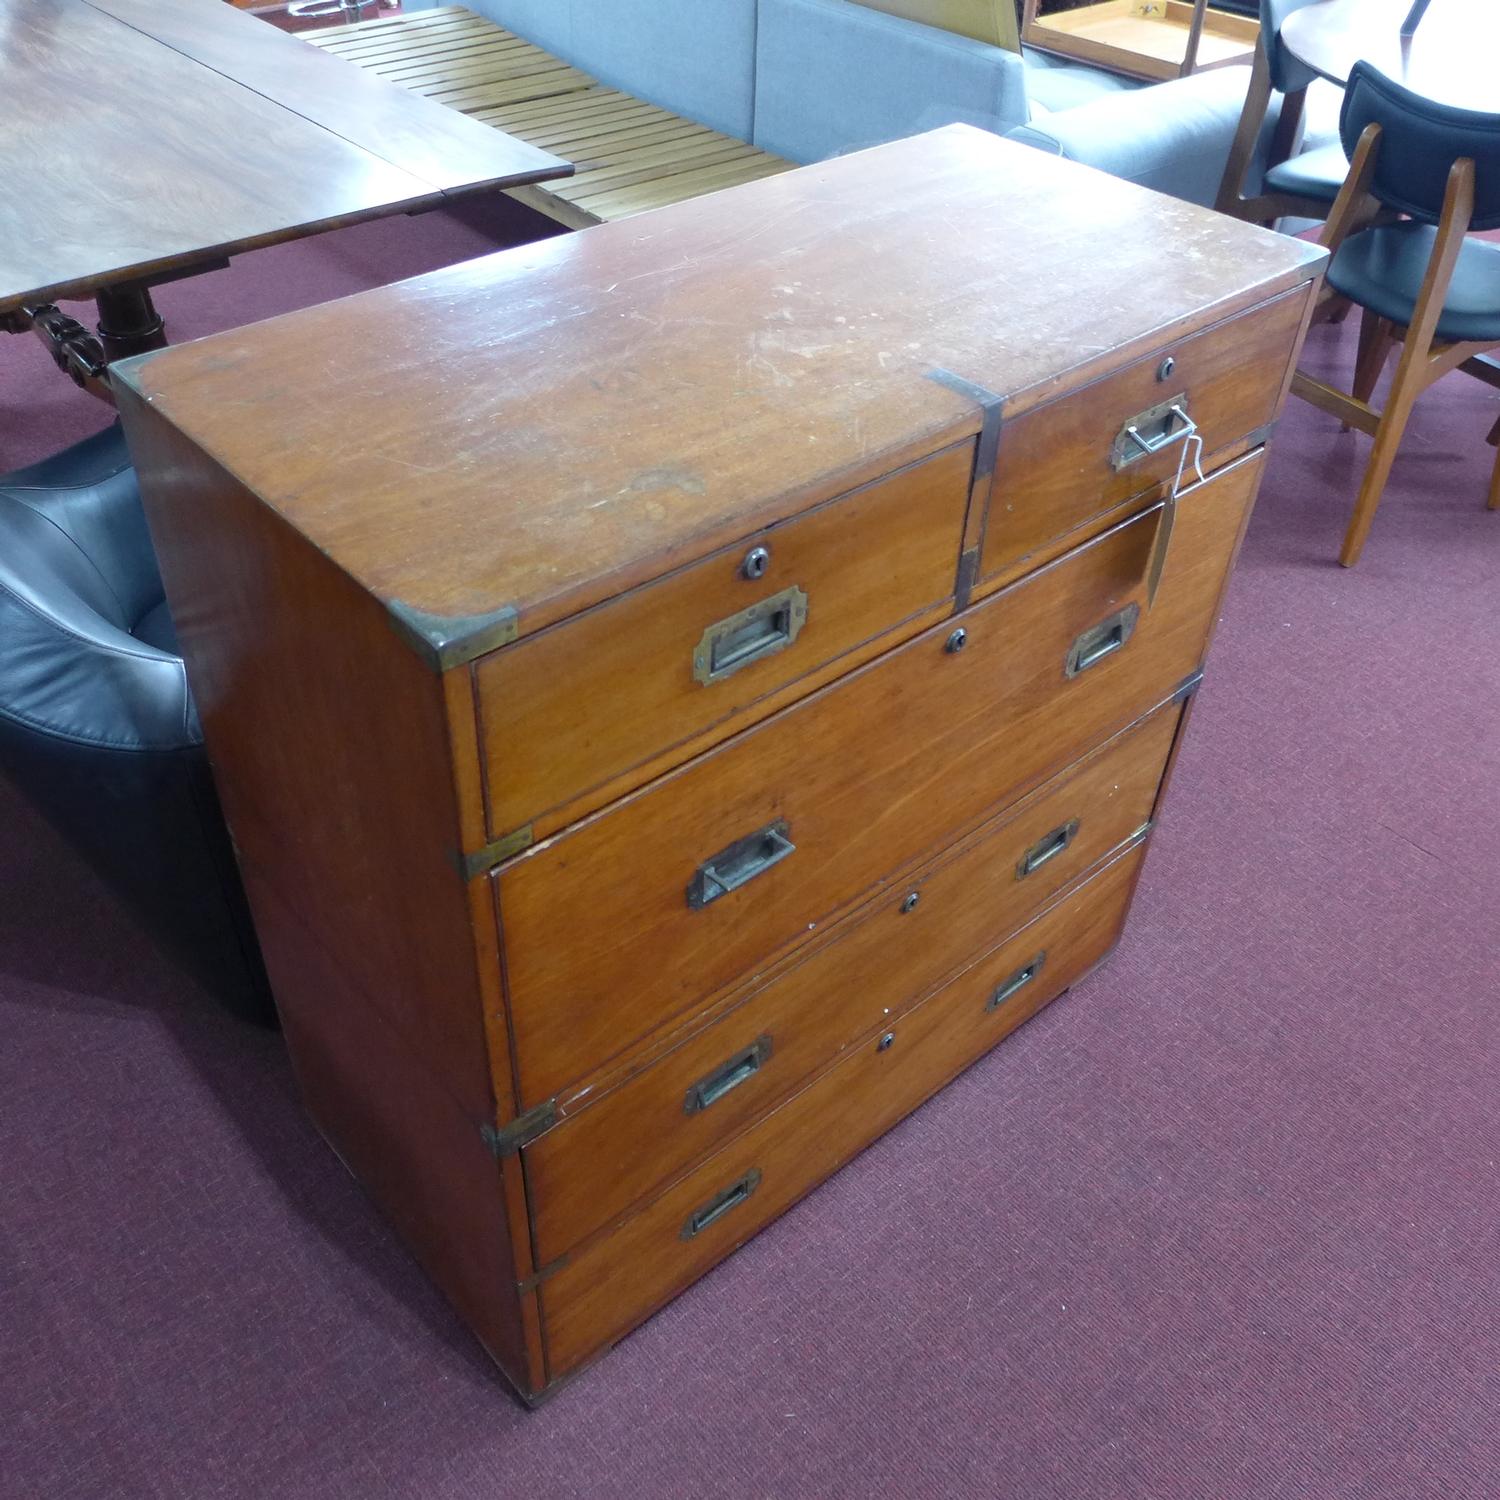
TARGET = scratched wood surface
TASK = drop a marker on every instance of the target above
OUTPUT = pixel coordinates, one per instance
(265, 139)
(582, 413)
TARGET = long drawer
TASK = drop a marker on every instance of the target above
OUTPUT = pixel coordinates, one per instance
(1071, 461)
(598, 1295)
(706, 876)
(649, 1128)
(692, 656)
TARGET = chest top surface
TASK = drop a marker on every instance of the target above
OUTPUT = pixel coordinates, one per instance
(557, 422)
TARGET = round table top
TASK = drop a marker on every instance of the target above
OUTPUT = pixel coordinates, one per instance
(1454, 56)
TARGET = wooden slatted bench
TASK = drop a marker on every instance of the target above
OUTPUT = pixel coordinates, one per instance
(630, 156)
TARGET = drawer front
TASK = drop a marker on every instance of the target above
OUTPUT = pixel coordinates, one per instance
(651, 1127)
(704, 878)
(604, 1291)
(580, 705)
(1056, 469)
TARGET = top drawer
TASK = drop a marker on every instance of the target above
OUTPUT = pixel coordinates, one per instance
(1069, 462)
(577, 708)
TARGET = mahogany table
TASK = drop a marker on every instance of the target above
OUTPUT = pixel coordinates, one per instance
(146, 140)
(1451, 56)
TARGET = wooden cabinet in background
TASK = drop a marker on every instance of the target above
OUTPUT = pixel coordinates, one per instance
(1155, 39)
(731, 690)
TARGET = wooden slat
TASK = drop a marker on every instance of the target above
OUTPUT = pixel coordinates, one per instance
(459, 61)
(588, 102)
(622, 132)
(486, 70)
(629, 155)
(561, 80)
(648, 164)
(351, 41)
(670, 188)
(438, 52)
(598, 155)
(419, 18)
(566, 214)
(624, 174)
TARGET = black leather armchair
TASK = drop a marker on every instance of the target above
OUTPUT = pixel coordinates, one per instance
(97, 726)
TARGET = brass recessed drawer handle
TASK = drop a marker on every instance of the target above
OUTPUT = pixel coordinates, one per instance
(1046, 849)
(1152, 432)
(720, 1204)
(1017, 982)
(750, 636)
(741, 862)
(1102, 640)
(730, 1074)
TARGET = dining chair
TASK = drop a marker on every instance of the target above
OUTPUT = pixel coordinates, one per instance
(1294, 184)
(1420, 280)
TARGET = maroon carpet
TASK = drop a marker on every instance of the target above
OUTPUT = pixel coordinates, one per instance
(1220, 1224)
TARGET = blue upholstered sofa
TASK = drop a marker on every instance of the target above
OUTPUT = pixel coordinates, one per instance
(809, 79)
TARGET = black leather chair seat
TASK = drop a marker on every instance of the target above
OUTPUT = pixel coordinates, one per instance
(97, 724)
(1314, 174)
(1383, 269)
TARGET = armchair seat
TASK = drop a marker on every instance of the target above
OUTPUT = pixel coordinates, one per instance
(1315, 174)
(98, 729)
(1383, 269)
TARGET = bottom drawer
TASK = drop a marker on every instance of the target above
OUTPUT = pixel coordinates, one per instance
(603, 1292)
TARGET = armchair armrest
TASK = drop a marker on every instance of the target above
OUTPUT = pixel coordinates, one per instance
(1173, 136)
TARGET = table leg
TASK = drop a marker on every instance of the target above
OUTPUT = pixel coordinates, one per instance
(128, 321)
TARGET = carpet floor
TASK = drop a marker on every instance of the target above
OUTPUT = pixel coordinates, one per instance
(1220, 1225)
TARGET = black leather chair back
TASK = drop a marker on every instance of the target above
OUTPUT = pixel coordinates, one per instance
(1419, 142)
(1287, 74)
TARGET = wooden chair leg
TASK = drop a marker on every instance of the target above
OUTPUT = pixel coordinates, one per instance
(1494, 438)
(1393, 419)
(1415, 372)
(1374, 349)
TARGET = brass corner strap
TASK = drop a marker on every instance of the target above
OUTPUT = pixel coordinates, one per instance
(992, 407)
(445, 641)
(496, 852)
(522, 1131)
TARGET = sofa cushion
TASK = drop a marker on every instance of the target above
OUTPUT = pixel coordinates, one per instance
(694, 57)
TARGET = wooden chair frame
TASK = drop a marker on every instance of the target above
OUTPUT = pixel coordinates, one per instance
(1265, 208)
(1424, 358)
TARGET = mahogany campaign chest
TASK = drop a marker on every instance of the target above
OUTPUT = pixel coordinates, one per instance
(721, 685)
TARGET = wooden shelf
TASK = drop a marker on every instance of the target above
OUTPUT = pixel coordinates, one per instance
(1155, 39)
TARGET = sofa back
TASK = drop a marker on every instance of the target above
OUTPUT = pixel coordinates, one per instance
(834, 76)
(694, 57)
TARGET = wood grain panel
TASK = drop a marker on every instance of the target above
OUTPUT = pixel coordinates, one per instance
(445, 151)
(598, 1295)
(1054, 471)
(411, 1147)
(705, 392)
(622, 1144)
(572, 708)
(601, 943)
(119, 191)
(331, 751)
